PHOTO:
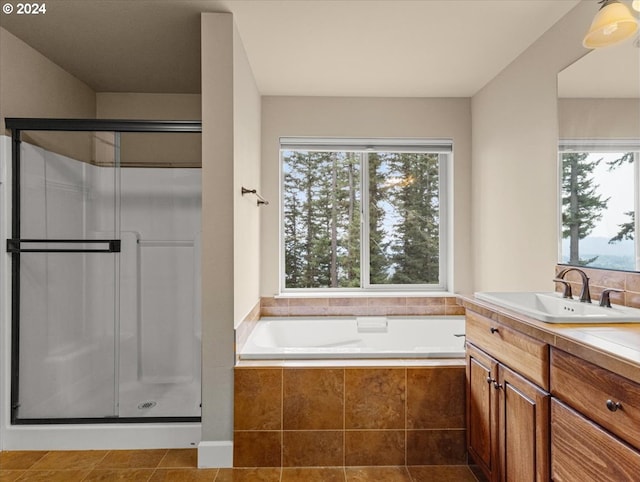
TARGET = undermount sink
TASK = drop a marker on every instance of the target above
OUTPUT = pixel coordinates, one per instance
(551, 307)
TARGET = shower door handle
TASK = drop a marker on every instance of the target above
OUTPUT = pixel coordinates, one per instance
(16, 245)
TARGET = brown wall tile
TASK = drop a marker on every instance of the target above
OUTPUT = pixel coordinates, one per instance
(257, 398)
(355, 310)
(391, 310)
(387, 301)
(308, 310)
(426, 300)
(435, 397)
(269, 301)
(632, 299)
(375, 398)
(632, 282)
(452, 310)
(436, 447)
(313, 448)
(295, 302)
(373, 447)
(428, 310)
(313, 399)
(275, 311)
(257, 449)
(348, 301)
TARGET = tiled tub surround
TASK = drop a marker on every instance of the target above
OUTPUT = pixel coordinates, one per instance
(600, 279)
(349, 416)
(360, 306)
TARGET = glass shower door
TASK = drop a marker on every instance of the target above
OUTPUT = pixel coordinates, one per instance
(66, 258)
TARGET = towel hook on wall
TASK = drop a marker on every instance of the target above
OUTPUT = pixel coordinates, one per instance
(261, 200)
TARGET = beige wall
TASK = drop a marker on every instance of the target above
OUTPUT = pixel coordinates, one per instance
(230, 222)
(33, 86)
(246, 172)
(599, 118)
(366, 117)
(162, 150)
(217, 227)
(515, 135)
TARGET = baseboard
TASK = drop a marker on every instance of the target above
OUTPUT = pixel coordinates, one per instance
(215, 454)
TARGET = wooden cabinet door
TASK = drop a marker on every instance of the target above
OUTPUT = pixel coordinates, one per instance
(523, 429)
(582, 451)
(482, 414)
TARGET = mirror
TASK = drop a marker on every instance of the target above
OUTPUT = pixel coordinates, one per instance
(599, 158)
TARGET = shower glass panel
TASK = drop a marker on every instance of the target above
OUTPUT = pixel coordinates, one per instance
(160, 275)
(69, 185)
(106, 267)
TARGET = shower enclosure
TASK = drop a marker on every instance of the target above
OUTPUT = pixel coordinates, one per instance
(105, 253)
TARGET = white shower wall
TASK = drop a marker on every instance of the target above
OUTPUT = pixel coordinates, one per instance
(75, 306)
(160, 291)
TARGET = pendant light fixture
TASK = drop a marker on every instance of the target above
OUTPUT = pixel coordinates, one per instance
(612, 24)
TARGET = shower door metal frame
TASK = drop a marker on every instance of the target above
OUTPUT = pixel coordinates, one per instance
(17, 125)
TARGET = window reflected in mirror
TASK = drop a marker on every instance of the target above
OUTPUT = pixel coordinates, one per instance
(598, 189)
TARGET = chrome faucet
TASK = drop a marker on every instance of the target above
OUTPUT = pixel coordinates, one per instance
(585, 295)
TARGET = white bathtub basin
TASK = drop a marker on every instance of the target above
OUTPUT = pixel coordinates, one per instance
(356, 337)
(551, 307)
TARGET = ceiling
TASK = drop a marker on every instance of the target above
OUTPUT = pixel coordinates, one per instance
(395, 48)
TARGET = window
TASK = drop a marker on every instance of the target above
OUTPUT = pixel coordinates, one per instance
(599, 193)
(364, 214)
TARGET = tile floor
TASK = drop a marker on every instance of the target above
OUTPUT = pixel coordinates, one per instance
(176, 465)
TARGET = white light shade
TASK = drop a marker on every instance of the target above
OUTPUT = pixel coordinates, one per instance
(636, 5)
(612, 24)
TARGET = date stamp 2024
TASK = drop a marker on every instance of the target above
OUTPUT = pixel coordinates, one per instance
(32, 8)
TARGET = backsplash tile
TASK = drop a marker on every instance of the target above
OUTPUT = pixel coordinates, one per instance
(361, 306)
(600, 279)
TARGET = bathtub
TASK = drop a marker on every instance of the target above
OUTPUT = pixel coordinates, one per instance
(356, 337)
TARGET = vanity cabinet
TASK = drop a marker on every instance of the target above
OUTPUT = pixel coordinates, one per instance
(595, 422)
(507, 413)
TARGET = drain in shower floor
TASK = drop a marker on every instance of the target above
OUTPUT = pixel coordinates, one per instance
(147, 404)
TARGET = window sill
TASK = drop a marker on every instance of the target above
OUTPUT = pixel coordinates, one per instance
(365, 294)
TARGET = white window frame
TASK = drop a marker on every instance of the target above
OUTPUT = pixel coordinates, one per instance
(442, 147)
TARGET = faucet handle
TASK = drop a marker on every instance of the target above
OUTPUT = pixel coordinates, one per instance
(605, 296)
(566, 293)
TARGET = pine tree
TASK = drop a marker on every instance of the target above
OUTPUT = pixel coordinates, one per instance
(321, 219)
(415, 249)
(628, 229)
(378, 258)
(582, 206)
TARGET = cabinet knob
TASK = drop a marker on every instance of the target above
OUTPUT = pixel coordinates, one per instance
(490, 380)
(493, 330)
(497, 385)
(613, 406)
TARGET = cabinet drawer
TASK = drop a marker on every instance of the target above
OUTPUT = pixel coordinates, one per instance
(592, 390)
(524, 354)
(581, 450)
